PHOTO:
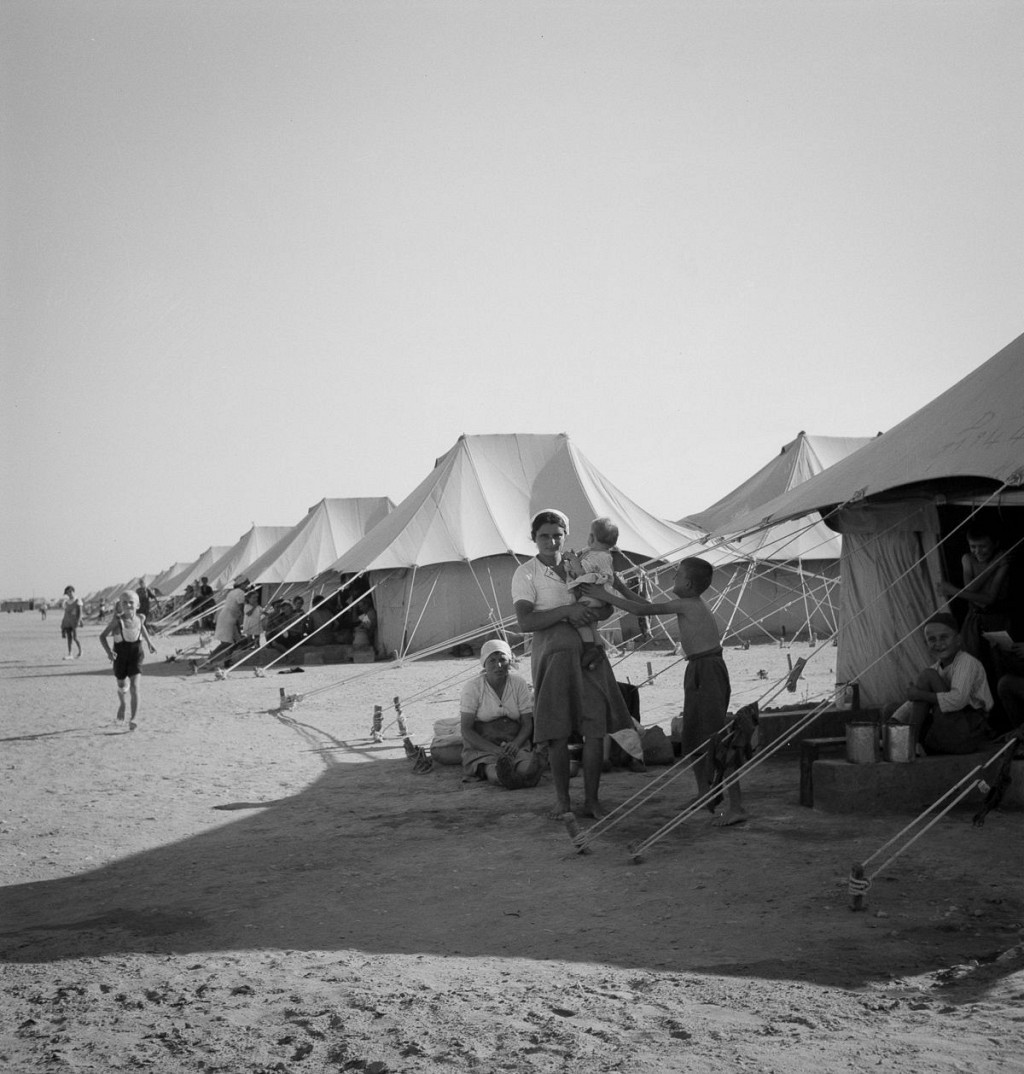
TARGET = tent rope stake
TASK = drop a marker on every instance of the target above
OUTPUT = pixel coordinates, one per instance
(971, 781)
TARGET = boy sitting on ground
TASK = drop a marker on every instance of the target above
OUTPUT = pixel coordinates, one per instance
(948, 703)
(706, 682)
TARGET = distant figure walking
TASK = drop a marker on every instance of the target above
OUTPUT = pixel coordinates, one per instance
(42, 610)
(127, 654)
(74, 611)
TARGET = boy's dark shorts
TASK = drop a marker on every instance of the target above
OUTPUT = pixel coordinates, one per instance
(705, 700)
(68, 632)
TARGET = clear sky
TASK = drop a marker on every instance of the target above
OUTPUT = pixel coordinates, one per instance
(259, 252)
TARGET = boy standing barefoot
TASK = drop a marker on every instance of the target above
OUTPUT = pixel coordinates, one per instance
(126, 654)
(706, 683)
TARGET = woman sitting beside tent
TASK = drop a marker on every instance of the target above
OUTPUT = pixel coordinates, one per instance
(496, 715)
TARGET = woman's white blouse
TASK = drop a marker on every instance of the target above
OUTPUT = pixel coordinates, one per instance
(479, 698)
(540, 585)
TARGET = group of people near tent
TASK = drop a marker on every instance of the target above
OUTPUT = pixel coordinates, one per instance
(244, 624)
(509, 733)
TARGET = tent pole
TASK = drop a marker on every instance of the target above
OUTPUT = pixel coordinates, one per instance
(408, 607)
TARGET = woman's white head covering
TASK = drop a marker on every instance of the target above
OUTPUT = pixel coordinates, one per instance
(551, 511)
(495, 645)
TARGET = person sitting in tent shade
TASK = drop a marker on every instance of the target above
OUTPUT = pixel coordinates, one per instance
(949, 702)
(986, 590)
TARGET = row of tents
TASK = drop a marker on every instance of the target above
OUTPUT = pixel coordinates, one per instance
(440, 563)
(882, 515)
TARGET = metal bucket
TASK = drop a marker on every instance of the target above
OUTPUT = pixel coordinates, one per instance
(898, 742)
(862, 745)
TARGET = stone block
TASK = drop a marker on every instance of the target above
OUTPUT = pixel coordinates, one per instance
(841, 787)
(335, 654)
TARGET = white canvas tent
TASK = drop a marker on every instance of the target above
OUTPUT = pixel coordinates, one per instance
(161, 580)
(330, 527)
(250, 546)
(200, 566)
(797, 462)
(786, 583)
(892, 501)
(443, 560)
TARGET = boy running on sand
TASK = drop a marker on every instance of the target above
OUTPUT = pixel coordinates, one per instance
(706, 683)
(127, 652)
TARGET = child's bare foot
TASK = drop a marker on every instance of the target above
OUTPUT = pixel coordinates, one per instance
(132, 725)
(593, 809)
(120, 713)
(560, 809)
(729, 817)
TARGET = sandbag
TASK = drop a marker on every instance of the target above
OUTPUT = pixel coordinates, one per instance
(446, 749)
(657, 746)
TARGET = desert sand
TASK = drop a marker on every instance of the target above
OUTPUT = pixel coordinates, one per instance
(239, 888)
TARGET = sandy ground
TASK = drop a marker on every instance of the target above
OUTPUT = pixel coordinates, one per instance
(242, 889)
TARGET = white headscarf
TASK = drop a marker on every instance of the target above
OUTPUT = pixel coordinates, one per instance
(495, 645)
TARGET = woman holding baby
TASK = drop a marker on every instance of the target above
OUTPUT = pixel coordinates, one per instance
(570, 700)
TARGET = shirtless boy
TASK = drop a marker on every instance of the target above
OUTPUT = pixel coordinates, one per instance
(706, 683)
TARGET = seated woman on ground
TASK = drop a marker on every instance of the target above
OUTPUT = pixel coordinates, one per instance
(496, 711)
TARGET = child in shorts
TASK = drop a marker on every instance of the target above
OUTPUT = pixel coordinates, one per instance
(593, 566)
(706, 682)
(126, 654)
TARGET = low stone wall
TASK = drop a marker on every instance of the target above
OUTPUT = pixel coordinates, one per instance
(842, 787)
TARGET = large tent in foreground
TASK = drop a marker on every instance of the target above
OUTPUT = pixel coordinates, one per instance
(442, 561)
(901, 503)
(329, 528)
(785, 583)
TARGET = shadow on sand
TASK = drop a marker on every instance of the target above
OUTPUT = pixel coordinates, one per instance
(374, 857)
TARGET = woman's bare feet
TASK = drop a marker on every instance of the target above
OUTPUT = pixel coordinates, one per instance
(593, 809)
(729, 817)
